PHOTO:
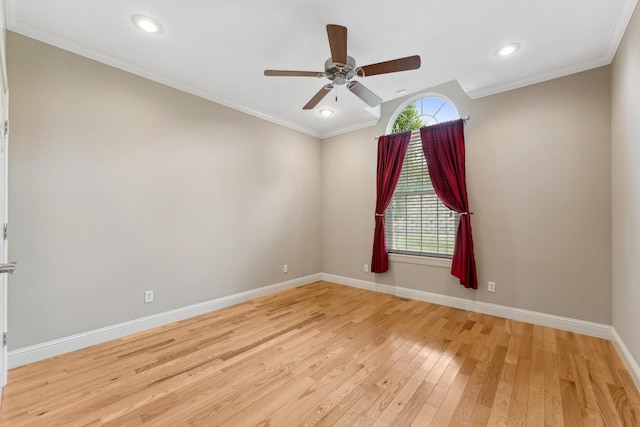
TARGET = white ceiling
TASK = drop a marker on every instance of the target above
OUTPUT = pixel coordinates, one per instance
(218, 49)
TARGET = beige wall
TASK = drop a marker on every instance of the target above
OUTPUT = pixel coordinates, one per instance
(119, 185)
(625, 185)
(538, 174)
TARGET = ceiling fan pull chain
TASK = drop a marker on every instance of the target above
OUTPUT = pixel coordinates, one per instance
(336, 93)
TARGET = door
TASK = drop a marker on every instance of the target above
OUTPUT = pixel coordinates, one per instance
(4, 136)
(4, 267)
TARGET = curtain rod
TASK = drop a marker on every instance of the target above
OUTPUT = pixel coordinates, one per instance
(465, 119)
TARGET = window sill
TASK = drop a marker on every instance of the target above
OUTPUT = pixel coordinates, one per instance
(420, 260)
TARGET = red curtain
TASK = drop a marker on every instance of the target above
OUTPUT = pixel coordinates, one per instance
(391, 152)
(443, 147)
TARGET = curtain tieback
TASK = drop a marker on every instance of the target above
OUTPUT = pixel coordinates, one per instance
(466, 213)
(377, 214)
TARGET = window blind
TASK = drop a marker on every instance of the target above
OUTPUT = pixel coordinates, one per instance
(416, 221)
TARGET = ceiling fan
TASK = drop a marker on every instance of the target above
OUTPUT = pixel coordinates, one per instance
(340, 69)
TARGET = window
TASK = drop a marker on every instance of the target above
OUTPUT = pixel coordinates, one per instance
(417, 222)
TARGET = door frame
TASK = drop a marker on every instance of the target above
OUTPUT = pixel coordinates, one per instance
(4, 141)
(4, 244)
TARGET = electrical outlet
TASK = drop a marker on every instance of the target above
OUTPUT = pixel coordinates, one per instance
(285, 268)
(491, 287)
(366, 268)
(148, 296)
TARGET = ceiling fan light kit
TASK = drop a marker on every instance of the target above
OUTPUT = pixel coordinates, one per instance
(341, 68)
(326, 112)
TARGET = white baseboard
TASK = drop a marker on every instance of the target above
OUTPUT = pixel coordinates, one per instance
(34, 353)
(627, 358)
(355, 283)
(564, 323)
(26, 355)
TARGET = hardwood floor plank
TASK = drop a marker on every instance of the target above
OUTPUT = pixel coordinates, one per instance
(587, 400)
(502, 401)
(324, 354)
(446, 409)
(421, 393)
(629, 387)
(571, 415)
(490, 384)
(517, 416)
(404, 395)
(626, 413)
(552, 395)
(606, 405)
(480, 416)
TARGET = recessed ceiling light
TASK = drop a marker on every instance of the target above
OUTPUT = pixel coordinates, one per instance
(326, 112)
(401, 92)
(508, 49)
(147, 24)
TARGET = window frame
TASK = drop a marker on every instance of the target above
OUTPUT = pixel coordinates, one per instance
(410, 257)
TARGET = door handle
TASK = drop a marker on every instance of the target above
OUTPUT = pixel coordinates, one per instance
(8, 267)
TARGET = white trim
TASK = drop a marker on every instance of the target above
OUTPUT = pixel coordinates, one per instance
(626, 356)
(348, 281)
(537, 318)
(414, 98)
(616, 34)
(34, 353)
(88, 52)
(556, 73)
(559, 322)
(420, 260)
(26, 355)
(351, 128)
(619, 28)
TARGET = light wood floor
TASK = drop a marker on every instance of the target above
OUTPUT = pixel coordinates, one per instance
(325, 354)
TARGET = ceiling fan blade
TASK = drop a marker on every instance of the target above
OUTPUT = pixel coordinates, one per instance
(338, 43)
(284, 73)
(318, 97)
(365, 94)
(395, 65)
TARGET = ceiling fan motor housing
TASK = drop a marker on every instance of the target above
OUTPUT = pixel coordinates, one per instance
(340, 74)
